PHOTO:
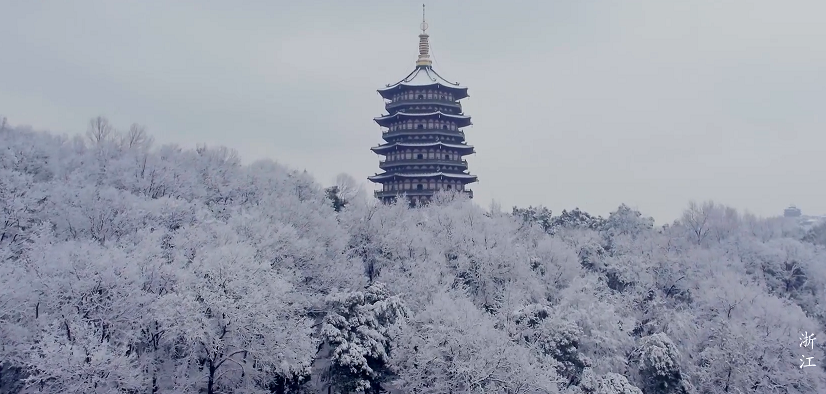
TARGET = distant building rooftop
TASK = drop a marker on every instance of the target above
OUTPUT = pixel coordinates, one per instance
(792, 212)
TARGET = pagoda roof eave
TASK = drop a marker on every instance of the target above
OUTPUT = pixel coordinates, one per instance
(383, 120)
(423, 76)
(386, 175)
(389, 146)
(392, 88)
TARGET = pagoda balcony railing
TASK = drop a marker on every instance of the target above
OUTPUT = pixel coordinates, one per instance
(412, 193)
(419, 162)
(445, 132)
(431, 101)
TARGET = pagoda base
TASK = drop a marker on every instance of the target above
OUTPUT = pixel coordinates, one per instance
(414, 196)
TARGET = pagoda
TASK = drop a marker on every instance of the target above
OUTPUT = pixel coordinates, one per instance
(424, 144)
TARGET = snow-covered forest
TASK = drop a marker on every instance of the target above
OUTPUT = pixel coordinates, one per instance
(133, 268)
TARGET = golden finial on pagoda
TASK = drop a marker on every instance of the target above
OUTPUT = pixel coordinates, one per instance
(424, 45)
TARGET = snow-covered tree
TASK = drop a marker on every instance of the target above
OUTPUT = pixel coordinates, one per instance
(135, 268)
(452, 346)
(359, 331)
(657, 362)
(610, 383)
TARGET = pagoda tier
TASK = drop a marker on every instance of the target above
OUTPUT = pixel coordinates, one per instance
(400, 135)
(420, 187)
(425, 145)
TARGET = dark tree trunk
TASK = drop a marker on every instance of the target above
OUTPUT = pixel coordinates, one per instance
(211, 381)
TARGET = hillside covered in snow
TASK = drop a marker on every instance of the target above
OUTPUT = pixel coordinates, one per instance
(132, 268)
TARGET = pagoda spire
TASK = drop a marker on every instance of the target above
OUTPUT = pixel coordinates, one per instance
(424, 44)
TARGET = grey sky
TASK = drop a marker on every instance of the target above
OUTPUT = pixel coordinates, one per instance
(575, 103)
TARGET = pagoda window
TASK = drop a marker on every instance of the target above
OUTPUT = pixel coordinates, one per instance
(421, 97)
(448, 187)
(447, 157)
(420, 126)
(420, 156)
(419, 187)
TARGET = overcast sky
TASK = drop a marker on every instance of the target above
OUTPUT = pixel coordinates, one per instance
(575, 103)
